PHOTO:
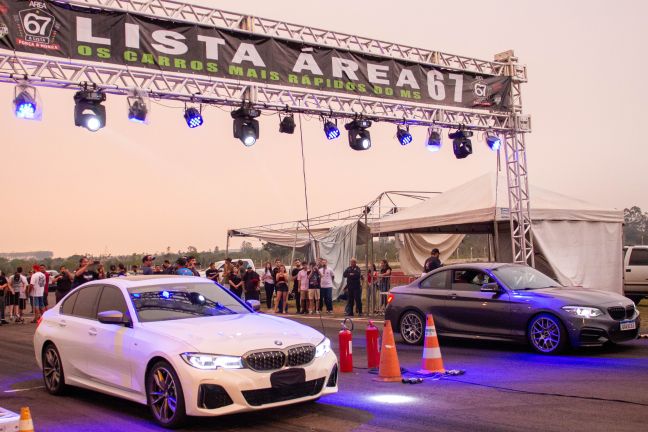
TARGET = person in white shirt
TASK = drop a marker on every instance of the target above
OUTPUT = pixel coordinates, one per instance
(302, 281)
(19, 284)
(326, 289)
(37, 282)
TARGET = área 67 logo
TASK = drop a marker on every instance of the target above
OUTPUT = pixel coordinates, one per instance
(37, 25)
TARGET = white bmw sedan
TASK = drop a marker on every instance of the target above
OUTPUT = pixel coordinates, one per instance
(181, 345)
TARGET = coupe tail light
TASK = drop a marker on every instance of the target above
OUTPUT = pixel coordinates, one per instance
(39, 321)
(390, 298)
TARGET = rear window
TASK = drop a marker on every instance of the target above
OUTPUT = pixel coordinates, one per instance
(639, 257)
(187, 300)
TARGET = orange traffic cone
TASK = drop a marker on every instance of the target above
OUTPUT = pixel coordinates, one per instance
(26, 424)
(432, 361)
(389, 370)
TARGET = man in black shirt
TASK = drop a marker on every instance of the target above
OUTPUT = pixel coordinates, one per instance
(433, 262)
(191, 265)
(63, 283)
(353, 275)
(212, 273)
(84, 273)
(293, 272)
(251, 283)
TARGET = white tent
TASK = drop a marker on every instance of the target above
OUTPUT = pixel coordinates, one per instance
(577, 242)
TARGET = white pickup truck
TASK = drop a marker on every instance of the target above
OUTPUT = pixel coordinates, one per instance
(635, 281)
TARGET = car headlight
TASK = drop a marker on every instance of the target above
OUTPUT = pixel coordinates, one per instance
(212, 361)
(323, 348)
(583, 311)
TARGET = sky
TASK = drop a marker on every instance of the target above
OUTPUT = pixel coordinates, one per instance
(133, 188)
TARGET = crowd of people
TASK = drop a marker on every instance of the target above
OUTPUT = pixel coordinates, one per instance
(309, 284)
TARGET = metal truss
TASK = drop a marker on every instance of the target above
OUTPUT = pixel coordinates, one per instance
(518, 192)
(182, 12)
(123, 80)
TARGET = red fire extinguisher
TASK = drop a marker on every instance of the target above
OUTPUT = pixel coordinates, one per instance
(346, 347)
(373, 346)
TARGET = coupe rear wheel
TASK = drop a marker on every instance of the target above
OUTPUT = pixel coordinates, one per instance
(412, 328)
(165, 396)
(546, 334)
(53, 370)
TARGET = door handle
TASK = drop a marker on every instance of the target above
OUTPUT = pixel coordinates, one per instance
(62, 323)
(628, 270)
(453, 295)
(92, 332)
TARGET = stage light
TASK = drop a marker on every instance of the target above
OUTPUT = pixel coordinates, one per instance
(403, 135)
(246, 128)
(88, 110)
(461, 144)
(331, 130)
(25, 106)
(433, 143)
(137, 109)
(193, 117)
(493, 141)
(287, 124)
(359, 136)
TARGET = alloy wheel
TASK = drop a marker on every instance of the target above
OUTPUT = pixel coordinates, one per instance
(164, 395)
(411, 328)
(52, 370)
(545, 334)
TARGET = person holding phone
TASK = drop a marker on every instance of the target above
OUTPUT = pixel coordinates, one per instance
(85, 272)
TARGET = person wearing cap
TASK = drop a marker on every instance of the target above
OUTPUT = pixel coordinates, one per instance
(147, 264)
(37, 281)
(433, 262)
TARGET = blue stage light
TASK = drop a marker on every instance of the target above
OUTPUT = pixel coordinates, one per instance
(494, 142)
(137, 110)
(403, 135)
(193, 117)
(25, 103)
(331, 130)
(433, 143)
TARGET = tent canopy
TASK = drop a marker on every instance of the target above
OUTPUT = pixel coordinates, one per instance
(474, 206)
(576, 242)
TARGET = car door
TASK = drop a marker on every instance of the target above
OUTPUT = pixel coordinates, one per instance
(432, 297)
(108, 360)
(471, 311)
(75, 338)
(636, 271)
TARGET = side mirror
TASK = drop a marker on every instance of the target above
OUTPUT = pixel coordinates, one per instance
(254, 304)
(112, 317)
(491, 287)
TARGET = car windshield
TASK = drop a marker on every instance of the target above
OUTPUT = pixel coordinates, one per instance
(523, 278)
(187, 300)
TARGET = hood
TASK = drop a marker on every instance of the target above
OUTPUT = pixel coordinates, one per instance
(236, 334)
(580, 296)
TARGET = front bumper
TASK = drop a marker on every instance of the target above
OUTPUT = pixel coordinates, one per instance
(228, 391)
(597, 331)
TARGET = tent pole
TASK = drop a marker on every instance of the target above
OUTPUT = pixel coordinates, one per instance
(292, 257)
(227, 244)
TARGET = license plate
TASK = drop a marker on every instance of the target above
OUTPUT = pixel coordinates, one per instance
(628, 325)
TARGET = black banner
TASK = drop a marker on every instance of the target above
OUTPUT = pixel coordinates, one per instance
(61, 30)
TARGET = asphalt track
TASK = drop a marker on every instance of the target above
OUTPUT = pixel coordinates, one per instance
(505, 388)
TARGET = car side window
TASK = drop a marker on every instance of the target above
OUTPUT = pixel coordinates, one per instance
(68, 305)
(112, 299)
(86, 302)
(435, 281)
(639, 257)
(469, 280)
